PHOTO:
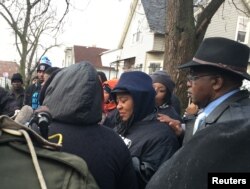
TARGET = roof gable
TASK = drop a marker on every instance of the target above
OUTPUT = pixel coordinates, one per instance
(91, 54)
(155, 11)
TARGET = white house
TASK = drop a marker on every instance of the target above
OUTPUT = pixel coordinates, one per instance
(232, 20)
(142, 43)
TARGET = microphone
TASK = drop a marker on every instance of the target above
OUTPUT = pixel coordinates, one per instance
(24, 116)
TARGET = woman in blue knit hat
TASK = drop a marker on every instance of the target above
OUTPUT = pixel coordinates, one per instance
(150, 142)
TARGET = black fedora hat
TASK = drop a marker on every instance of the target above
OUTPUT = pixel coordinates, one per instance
(222, 53)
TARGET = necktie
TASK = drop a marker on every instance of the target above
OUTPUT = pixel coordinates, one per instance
(199, 120)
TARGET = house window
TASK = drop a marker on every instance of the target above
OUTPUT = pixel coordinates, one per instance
(138, 67)
(136, 36)
(242, 30)
(153, 67)
(128, 64)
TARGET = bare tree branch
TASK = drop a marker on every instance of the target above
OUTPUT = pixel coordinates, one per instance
(31, 21)
(205, 17)
(246, 12)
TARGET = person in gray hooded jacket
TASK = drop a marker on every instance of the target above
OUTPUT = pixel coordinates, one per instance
(74, 98)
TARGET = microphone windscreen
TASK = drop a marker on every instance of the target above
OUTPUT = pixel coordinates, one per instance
(24, 115)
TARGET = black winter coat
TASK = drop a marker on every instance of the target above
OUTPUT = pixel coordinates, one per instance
(19, 98)
(151, 144)
(8, 104)
(228, 110)
(220, 148)
(32, 95)
(74, 98)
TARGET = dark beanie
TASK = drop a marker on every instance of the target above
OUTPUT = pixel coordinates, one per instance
(163, 78)
(17, 77)
(43, 67)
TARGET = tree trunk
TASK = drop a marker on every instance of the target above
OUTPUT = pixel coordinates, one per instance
(183, 37)
(23, 55)
(180, 43)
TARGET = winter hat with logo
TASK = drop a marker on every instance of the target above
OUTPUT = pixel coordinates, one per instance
(44, 64)
(17, 77)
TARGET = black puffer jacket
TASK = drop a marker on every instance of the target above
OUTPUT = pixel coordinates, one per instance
(74, 98)
(152, 143)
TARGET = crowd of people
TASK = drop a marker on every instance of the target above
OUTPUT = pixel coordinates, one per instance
(130, 130)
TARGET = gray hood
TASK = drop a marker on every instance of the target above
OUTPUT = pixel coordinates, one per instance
(75, 95)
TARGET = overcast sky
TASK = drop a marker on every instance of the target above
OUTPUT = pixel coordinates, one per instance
(94, 22)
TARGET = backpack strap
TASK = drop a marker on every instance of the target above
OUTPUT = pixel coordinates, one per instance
(8, 123)
(11, 127)
(21, 138)
(24, 133)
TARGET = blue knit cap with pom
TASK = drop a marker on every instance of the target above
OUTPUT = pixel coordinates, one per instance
(44, 64)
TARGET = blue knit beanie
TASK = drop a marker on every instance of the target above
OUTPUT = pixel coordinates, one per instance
(44, 64)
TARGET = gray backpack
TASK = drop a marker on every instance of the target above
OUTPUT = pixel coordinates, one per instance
(27, 161)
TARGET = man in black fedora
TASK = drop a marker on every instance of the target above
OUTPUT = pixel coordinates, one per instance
(214, 80)
(218, 140)
(215, 75)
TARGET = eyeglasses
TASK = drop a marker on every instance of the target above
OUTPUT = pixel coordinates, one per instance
(195, 77)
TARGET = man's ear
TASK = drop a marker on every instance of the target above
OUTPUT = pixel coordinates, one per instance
(217, 82)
